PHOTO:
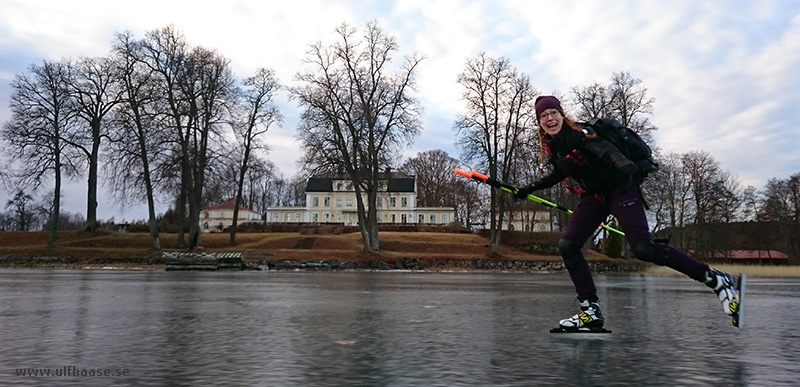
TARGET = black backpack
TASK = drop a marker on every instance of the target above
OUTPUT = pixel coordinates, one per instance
(626, 140)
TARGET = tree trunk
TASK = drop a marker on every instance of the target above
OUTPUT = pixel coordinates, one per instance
(181, 202)
(365, 220)
(239, 189)
(155, 239)
(234, 224)
(51, 242)
(373, 221)
(91, 197)
(195, 235)
(494, 230)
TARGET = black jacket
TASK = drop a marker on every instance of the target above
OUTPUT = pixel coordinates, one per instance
(597, 165)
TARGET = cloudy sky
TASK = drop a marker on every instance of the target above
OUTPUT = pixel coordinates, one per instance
(725, 75)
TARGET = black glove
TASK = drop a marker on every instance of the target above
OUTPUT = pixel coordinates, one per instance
(632, 170)
(638, 172)
(646, 167)
(522, 193)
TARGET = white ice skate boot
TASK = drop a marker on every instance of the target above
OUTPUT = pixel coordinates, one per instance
(724, 286)
(589, 318)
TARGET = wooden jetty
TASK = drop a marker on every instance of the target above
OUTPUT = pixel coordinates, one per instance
(202, 261)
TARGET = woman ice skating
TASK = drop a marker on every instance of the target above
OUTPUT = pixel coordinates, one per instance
(609, 184)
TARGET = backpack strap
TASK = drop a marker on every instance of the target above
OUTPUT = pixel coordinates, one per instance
(588, 128)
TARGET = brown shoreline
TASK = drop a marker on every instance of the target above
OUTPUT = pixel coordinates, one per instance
(419, 251)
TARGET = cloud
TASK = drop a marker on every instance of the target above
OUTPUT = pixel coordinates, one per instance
(725, 75)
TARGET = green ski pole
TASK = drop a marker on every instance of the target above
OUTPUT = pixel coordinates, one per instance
(513, 190)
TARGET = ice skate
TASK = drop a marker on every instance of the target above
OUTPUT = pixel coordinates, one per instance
(729, 291)
(589, 320)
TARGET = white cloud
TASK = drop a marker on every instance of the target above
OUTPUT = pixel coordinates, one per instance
(724, 75)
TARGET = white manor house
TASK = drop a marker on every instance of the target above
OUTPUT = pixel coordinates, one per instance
(332, 199)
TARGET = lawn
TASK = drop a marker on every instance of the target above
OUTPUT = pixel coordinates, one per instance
(87, 246)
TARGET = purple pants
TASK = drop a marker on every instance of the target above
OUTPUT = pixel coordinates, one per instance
(626, 204)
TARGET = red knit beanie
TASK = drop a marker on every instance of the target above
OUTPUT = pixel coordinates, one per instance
(545, 102)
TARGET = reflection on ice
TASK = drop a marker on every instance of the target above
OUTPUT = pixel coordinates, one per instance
(379, 328)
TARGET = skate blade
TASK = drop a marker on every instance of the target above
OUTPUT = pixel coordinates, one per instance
(737, 318)
(595, 333)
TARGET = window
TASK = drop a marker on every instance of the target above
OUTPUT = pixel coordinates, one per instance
(286, 218)
(350, 202)
(421, 218)
(403, 202)
(404, 218)
(433, 218)
(315, 217)
(315, 202)
(206, 216)
(444, 218)
(297, 217)
(275, 218)
(339, 201)
(392, 202)
(394, 218)
(327, 217)
(205, 225)
(327, 202)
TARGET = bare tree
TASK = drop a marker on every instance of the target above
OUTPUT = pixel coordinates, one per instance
(435, 180)
(138, 137)
(782, 204)
(729, 200)
(630, 103)
(296, 189)
(704, 174)
(165, 52)
(20, 206)
(194, 85)
(749, 210)
(250, 122)
(218, 187)
(669, 193)
(262, 175)
(498, 120)
(593, 101)
(41, 112)
(357, 113)
(93, 84)
(624, 99)
(209, 82)
(471, 210)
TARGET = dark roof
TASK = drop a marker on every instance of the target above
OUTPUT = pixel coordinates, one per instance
(319, 184)
(398, 182)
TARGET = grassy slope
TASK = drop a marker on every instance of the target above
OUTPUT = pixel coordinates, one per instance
(294, 246)
(394, 245)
